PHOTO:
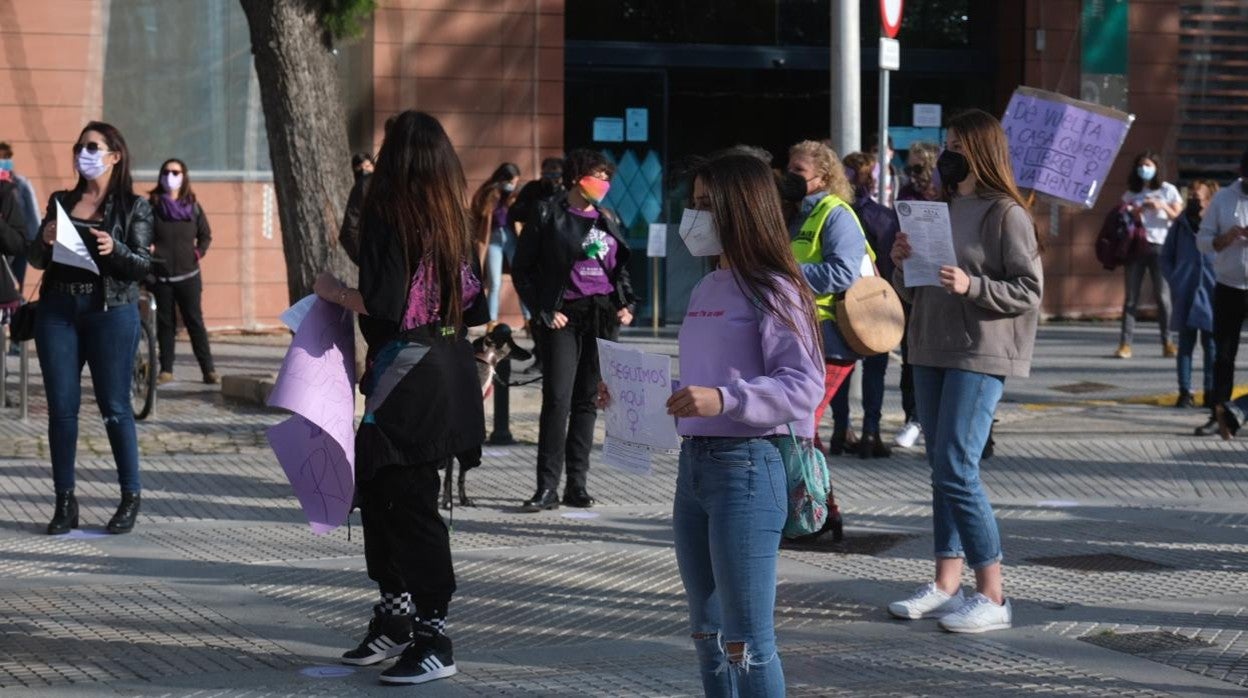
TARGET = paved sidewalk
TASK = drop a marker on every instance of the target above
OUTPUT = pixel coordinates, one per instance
(1126, 542)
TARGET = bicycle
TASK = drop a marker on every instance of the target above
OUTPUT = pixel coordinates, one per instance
(143, 380)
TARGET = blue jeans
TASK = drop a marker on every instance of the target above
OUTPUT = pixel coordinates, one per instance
(730, 507)
(1187, 347)
(71, 331)
(955, 409)
(502, 244)
(874, 369)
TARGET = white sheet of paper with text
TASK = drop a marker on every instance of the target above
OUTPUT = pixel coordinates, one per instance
(926, 224)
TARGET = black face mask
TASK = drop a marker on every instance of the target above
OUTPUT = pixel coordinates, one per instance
(792, 187)
(953, 167)
(1193, 209)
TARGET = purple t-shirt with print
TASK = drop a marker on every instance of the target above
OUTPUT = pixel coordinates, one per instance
(589, 276)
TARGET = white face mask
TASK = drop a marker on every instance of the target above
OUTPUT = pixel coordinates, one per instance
(698, 231)
(173, 183)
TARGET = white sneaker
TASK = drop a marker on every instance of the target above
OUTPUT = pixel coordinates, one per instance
(908, 435)
(927, 602)
(979, 615)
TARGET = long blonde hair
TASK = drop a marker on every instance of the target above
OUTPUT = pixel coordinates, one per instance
(828, 166)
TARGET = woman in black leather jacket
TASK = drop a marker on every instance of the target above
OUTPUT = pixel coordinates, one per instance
(571, 271)
(88, 312)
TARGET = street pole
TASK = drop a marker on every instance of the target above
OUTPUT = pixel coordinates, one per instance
(883, 144)
(845, 78)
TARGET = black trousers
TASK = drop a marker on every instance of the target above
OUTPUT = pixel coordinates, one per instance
(407, 547)
(1230, 306)
(569, 386)
(184, 297)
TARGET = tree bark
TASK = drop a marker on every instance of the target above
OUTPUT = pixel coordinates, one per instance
(308, 146)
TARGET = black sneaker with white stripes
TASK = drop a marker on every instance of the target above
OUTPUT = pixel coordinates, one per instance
(428, 659)
(388, 636)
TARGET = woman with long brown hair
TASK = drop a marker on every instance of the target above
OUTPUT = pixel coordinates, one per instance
(752, 372)
(181, 237)
(966, 337)
(419, 288)
(88, 312)
(494, 234)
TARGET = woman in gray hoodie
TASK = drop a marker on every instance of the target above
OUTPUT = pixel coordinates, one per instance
(965, 337)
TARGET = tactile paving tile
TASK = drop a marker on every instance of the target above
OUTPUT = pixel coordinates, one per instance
(558, 598)
(67, 635)
(49, 556)
(1222, 634)
(847, 667)
(1198, 569)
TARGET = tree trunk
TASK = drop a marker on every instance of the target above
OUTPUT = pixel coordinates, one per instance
(307, 131)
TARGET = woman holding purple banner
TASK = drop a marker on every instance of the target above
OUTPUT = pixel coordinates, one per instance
(419, 288)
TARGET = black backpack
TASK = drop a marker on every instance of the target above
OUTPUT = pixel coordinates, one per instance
(1122, 238)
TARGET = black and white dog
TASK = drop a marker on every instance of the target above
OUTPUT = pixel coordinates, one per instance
(491, 349)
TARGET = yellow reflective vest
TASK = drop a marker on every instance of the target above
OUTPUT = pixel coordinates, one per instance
(808, 246)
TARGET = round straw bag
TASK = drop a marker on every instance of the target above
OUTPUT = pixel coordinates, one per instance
(870, 316)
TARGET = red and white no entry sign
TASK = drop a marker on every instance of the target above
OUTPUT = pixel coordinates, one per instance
(890, 17)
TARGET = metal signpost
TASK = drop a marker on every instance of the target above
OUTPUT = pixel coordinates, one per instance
(890, 59)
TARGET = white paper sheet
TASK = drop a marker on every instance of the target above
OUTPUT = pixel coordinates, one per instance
(926, 224)
(69, 248)
(629, 457)
(293, 316)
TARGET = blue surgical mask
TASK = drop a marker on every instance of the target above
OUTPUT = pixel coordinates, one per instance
(6, 164)
(1146, 172)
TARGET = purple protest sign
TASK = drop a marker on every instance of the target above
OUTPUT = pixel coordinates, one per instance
(318, 469)
(316, 447)
(1062, 147)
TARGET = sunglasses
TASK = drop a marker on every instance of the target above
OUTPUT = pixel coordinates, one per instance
(91, 147)
(170, 172)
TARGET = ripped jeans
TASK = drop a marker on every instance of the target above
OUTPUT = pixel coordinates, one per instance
(71, 331)
(729, 510)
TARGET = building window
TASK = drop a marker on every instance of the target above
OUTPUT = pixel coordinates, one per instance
(179, 83)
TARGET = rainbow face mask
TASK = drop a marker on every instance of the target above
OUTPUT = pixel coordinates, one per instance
(594, 189)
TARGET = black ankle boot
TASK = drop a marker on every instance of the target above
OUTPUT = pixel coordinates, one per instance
(66, 515)
(127, 511)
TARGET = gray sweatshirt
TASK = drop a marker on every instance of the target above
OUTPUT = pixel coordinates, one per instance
(992, 329)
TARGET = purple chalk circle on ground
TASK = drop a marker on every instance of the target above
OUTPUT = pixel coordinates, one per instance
(326, 672)
(87, 533)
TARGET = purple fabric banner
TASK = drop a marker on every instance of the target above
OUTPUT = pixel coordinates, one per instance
(1062, 147)
(316, 447)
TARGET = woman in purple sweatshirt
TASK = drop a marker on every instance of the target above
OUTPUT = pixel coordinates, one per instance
(752, 369)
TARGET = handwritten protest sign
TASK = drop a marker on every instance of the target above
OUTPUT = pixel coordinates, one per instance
(637, 420)
(316, 446)
(1062, 147)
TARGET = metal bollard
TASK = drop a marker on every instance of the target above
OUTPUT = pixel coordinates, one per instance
(501, 436)
(503, 349)
(4, 367)
(24, 380)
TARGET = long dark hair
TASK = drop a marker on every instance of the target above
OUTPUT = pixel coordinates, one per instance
(417, 192)
(987, 151)
(1135, 182)
(185, 193)
(745, 206)
(120, 183)
(487, 198)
